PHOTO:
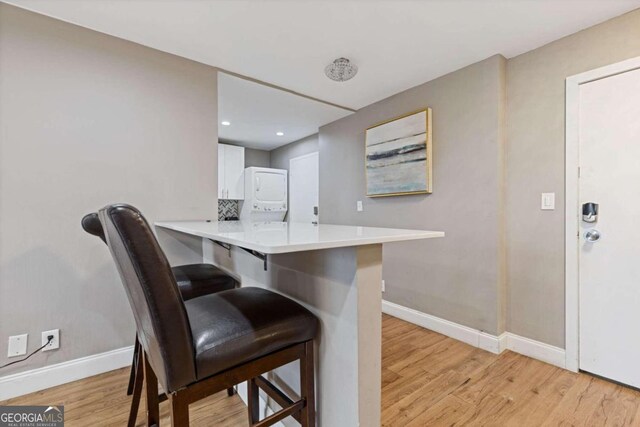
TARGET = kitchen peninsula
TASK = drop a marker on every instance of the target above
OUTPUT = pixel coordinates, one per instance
(336, 272)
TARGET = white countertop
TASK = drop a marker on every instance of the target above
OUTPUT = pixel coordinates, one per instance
(284, 237)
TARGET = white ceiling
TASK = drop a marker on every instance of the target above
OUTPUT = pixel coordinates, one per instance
(396, 44)
(256, 112)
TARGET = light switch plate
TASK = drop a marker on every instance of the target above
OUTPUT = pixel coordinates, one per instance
(17, 345)
(359, 206)
(548, 201)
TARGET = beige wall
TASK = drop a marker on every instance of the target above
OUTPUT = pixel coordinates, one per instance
(491, 196)
(460, 277)
(535, 164)
(280, 156)
(85, 120)
(258, 158)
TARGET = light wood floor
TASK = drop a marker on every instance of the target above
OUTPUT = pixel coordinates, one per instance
(427, 380)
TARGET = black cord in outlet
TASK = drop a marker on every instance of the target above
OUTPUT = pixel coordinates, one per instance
(49, 339)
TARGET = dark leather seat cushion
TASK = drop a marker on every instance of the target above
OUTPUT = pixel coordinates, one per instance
(239, 325)
(195, 280)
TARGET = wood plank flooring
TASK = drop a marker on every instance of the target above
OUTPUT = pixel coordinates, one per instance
(427, 380)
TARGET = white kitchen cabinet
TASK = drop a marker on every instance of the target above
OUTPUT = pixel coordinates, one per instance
(230, 172)
(221, 187)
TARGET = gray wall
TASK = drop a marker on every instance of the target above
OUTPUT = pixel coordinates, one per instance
(87, 119)
(258, 158)
(75, 136)
(460, 277)
(280, 156)
(535, 164)
(497, 146)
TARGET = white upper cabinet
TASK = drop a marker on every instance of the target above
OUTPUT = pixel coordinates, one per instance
(221, 187)
(230, 172)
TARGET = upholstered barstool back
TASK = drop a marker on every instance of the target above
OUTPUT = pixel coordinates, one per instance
(91, 224)
(161, 319)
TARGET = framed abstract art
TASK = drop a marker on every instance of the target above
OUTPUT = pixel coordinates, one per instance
(398, 156)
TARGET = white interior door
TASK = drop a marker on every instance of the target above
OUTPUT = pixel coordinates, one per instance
(304, 188)
(609, 293)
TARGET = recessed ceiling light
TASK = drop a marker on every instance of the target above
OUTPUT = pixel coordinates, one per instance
(225, 123)
(280, 133)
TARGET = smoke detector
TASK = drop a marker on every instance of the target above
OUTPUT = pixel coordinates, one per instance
(341, 70)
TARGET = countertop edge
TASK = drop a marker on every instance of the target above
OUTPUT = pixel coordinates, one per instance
(274, 250)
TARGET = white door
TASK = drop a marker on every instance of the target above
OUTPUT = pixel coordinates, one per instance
(609, 294)
(234, 172)
(304, 188)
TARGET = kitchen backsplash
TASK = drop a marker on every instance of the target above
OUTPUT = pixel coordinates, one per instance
(227, 208)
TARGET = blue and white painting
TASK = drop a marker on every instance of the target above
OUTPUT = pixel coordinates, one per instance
(398, 156)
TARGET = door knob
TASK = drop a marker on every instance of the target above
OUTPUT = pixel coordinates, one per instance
(592, 235)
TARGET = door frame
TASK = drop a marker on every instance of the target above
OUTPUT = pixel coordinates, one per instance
(311, 154)
(572, 207)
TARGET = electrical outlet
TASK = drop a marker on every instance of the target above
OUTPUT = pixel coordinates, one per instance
(17, 345)
(359, 206)
(55, 342)
(383, 286)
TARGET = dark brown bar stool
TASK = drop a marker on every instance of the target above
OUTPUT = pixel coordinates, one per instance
(193, 280)
(204, 345)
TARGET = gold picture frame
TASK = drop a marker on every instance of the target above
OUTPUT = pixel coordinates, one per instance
(397, 168)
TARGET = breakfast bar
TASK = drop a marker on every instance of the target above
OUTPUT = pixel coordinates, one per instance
(336, 272)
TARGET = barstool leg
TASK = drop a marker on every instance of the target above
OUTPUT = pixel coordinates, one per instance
(135, 367)
(136, 391)
(179, 411)
(253, 397)
(307, 387)
(151, 385)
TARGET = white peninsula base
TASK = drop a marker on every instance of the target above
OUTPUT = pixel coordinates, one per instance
(342, 287)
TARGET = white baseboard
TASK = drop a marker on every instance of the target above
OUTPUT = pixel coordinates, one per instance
(50, 376)
(537, 350)
(494, 344)
(61, 373)
(456, 331)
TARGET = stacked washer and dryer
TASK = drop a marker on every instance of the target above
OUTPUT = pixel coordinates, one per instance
(265, 195)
